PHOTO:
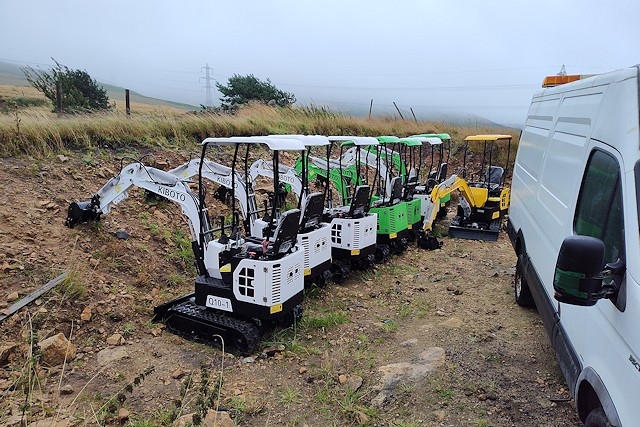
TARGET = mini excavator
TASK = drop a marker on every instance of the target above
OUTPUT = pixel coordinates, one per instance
(243, 287)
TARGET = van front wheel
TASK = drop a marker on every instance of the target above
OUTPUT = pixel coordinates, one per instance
(597, 418)
(521, 287)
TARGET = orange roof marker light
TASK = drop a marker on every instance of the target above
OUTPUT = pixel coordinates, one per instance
(551, 81)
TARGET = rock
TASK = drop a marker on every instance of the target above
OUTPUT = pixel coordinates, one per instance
(66, 389)
(161, 216)
(115, 339)
(354, 382)
(86, 314)
(13, 296)
(7, 352)
(407, 373)
(123, 414)
(302, 370)
(439, 415)
(56, 349)
(110, 355)
(342, 378)
(362, 418)
(179, 373)
(453, 322)
(51, 422)
(122, 235)
(271, 351)
(409, 343)
(62, 158)
(248, 360)
(212, 419)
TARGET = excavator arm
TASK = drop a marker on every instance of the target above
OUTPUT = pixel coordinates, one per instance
(219, 174)
(116, 190)
(286, 175)
(475, 197)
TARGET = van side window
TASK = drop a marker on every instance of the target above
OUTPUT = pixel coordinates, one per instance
(599, 211)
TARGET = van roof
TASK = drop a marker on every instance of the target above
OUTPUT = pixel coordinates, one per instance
(487, 137)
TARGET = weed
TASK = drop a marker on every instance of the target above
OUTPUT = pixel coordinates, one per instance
(175, 280)
(72, 287)
(445, 393)
(110, 408)
(183, 251)
(288, 396)
(390, 326)
(482, 423)
(325, 321)
(153, 229)
(128, 329)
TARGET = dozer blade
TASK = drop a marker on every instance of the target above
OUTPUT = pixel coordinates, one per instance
(80, 212)
(470, 232)
(183, 317)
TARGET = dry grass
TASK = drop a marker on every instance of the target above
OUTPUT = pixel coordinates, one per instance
(38, 132)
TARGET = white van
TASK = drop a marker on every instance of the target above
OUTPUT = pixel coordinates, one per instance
(573, 222)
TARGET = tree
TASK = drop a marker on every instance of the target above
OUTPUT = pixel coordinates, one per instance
(243, 89)
(80, 93)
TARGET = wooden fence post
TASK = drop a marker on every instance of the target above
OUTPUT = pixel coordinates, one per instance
(126, 98)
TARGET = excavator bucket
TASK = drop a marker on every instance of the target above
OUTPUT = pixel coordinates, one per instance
(80, 212)
(426, 241)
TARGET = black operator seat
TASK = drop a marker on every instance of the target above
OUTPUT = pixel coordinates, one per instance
(284, 237)
(493, 176)
(359, 202)
(286, 234)
(396, 190)
(313, 209)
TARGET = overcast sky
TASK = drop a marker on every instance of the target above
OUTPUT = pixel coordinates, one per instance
(435, 56)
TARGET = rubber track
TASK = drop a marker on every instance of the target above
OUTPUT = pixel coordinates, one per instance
(232, 327)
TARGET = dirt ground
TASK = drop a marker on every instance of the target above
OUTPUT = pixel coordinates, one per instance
(430, 338)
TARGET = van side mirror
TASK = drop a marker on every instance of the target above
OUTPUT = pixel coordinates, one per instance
(578, 278)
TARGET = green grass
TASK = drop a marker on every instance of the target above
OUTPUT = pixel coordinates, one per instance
(324, 321)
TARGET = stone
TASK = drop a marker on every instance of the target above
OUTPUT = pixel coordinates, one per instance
(212, 419)
(86, 314)
(123, 414)
(362, 418)
(51, 422)
(109, 355)
(248, 360)
(179, 373)
(115, 339)
(354, 382)
(271, 351)
(342, 378)
(13, 296)
(439, 415)
(401, 373)
(161, 216)
(66, 389)
(56, 349)
(7, 352)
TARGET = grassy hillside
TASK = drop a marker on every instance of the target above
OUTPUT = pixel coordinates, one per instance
(12, 76)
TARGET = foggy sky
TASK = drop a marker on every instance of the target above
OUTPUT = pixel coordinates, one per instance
(480, 57)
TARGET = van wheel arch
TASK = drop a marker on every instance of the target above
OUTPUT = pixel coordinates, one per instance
(591, 395)
(521, 290)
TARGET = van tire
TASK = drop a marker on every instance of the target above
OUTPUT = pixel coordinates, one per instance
(597, 418)
(521, 287)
